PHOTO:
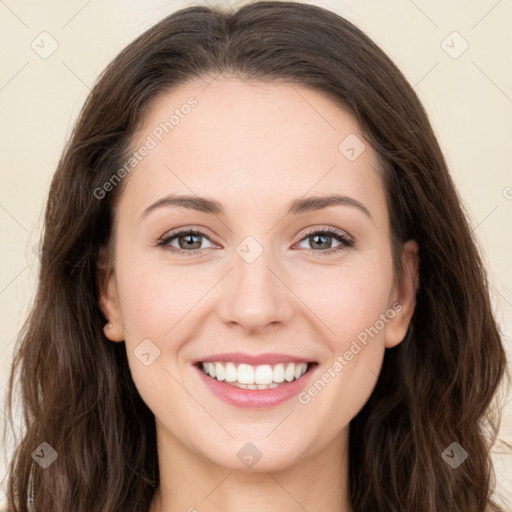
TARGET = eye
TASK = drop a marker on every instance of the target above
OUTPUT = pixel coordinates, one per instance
(322, 239)
(188, 240)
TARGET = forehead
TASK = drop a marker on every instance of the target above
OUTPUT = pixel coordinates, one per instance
(250, 145)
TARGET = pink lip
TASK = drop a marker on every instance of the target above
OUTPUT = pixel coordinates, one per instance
(255, 360)
(255, 398)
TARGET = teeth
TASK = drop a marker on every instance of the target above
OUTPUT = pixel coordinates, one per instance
(231, 373)
(246, 374)
(289, 373)
(263, 374)
(278, 375)
(255, 377)
(220, 373)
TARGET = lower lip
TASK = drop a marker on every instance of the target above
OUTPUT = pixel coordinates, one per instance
(256, 398)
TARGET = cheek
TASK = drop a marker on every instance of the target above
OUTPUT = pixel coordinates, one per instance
(354, 304)
(156, 307)
(153, 298)
(350, 298)
(154, 303)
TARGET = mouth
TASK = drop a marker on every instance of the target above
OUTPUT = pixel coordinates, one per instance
(255, 377)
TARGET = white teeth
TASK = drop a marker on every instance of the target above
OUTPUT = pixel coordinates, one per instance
(220, 373)
(255, 377)
(231, 373)
(289, 373)
(278, 373)
(246, 374)
(263, 374)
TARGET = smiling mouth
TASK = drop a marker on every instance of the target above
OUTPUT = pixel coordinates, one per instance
(246, 376)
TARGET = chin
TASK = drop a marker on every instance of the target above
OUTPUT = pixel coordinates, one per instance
(257, 455)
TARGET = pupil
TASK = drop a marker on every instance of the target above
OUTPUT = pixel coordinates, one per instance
(326, 244)
(189, 243)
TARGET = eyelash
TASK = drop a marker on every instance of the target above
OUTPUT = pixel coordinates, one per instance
(346, 242)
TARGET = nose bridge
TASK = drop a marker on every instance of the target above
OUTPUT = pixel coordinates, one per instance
(256, 296)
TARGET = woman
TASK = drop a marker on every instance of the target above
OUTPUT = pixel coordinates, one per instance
(331, 347)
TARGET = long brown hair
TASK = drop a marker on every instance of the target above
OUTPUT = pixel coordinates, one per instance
(435, 388)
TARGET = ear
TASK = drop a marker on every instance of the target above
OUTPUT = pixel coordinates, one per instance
(108, 299)
(403, 296)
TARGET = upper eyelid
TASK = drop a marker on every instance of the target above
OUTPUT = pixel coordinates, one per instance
(328, 229)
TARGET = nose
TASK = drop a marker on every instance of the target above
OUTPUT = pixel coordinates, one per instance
(255, 296)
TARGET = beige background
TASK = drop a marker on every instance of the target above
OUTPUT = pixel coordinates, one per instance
(468, 98)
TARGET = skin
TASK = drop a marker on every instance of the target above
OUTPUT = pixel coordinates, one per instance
(254, 147)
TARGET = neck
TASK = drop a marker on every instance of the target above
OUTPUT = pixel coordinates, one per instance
(189, 482)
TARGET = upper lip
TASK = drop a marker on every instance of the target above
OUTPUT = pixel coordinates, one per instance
(253, 359)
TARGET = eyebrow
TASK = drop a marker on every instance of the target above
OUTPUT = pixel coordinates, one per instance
(296, 207)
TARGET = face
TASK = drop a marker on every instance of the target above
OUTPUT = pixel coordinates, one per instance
(260, 278)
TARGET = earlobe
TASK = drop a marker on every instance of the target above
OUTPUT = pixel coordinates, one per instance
(405, 295)
(114, 332)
